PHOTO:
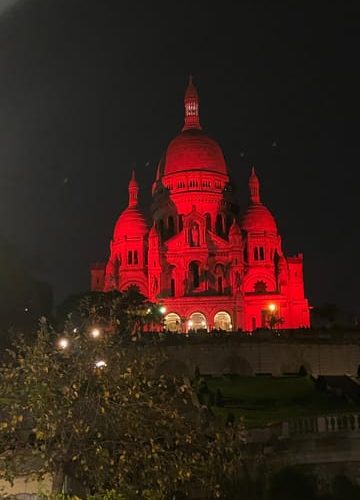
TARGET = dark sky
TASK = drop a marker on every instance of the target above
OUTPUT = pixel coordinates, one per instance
(90, 89)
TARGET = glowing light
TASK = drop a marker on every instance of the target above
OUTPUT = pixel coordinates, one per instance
(100, 364)
(75, 330)
(26, 309)
(63, 343)
(95, 333)
(272, 307)
(162, 309)
(148, 311)
(190, 323)
(203, 323)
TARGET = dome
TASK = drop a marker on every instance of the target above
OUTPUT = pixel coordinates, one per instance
(258, 218)
(130, 223)
(194, 150)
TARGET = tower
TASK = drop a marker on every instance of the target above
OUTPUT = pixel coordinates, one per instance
(127, 263)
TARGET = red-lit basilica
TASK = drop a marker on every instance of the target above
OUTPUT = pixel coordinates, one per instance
(208, 266)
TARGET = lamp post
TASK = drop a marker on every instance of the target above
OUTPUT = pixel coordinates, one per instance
(272, 317)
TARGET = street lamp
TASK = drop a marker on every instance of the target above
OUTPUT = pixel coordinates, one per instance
(273, 320)
(162, 309)
(95, 333)
(63, 343)
(272, 308)
(100, 364)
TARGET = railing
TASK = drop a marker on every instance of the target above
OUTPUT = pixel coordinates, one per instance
(346, 422)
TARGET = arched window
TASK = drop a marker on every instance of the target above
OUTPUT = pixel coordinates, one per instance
(136, 259)
(208, 222)
(256, 253)
(262, 253)
(181, 225)
(222, 321)
(130, 257)
(195, 274)
(171, 226)
(219, 225)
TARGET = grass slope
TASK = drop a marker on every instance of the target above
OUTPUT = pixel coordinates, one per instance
(265, 400)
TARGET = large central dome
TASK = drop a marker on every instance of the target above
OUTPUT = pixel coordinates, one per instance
(192, 149)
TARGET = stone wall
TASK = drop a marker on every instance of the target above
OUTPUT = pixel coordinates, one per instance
(250, 358)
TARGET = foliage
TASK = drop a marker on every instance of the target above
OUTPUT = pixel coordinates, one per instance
(274, 321)
(119, 427)
(118, 312)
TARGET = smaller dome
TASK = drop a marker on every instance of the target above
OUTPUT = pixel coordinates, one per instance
(258, 218)
(130, 223)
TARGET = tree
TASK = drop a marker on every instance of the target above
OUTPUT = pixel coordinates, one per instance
(90, 408)
(125, 313)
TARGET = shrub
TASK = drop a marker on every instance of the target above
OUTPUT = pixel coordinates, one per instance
(303, 371)
(219, 399)
(230, 419)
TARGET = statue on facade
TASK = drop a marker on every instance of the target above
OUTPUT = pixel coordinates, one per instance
(195, 235)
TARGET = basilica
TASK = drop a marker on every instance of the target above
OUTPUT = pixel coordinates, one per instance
(207, 264)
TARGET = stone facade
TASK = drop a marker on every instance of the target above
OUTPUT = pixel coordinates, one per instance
(209, 265)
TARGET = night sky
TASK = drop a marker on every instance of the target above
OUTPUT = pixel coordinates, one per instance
(90, 89)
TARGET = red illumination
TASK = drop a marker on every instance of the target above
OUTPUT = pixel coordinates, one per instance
(205, 267)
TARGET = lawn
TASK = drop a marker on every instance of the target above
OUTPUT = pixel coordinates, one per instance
(265, 400)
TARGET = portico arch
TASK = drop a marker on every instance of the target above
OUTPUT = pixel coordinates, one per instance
(172, 322)
(222, 321)
(197, 321)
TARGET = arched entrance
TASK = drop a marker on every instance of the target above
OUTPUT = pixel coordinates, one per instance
(222, 321)
(197, 322)
(172, 322)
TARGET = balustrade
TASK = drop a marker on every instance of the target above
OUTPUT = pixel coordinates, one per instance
(347, 422)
